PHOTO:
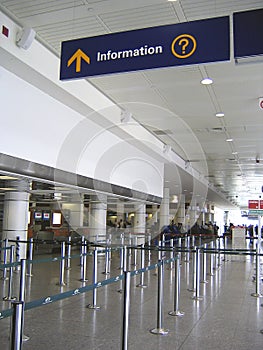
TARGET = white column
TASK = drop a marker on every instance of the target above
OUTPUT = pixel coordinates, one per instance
(181, 211)
(140, 218)
(192, 213)
(15, 220)
(97, 218)
(164, 209)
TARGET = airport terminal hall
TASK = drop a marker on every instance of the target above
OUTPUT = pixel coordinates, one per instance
(131, 175)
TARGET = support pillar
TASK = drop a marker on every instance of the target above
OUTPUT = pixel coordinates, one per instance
(164, 209)
(97, 218)
(16, 207)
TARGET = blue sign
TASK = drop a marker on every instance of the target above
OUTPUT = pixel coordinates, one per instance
(165, 46)
(248, 31)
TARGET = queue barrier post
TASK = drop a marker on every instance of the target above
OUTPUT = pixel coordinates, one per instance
(193, 287)
(197, 276)
(5, 259)
(211, 260)
(204, 264)
(135, 251)
(17, 253)
(141, 284)
(68, 260)
(94, 306)
(159, 330)
(16, 334)
(22, 292)
(83, 267)
(177, 289)
(29, 266)
(9, 296)
(257, 293)
(126, 309)
(62, 265)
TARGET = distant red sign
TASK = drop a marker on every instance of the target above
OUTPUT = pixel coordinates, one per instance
(261, 204)
(254, 204)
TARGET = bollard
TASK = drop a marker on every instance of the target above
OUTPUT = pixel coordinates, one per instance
(29, 266)
(83, 267)
(22, 292)
(94, 306)
(197, 276)
(5, 259)
(62, 266)
(9, 297)
(159, 330)
(211, 263)
(204, 280)
(141, 284)
(17, 253)
(68, 260)
(126, 309)
(176, 311)
(16, 335)
(257, 293)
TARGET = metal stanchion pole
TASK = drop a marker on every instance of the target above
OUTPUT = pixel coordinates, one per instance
(149, 250)
(159, 329)
(218, 255)
(197, 276)
(141, 284)
(176, 311)
(83, 269)
(94, 306)
(106, 272)
(82, 250)
(62, 265)
(257, 293)
(17, 253)
(10, 281)
(126, 309)
(171, 253)
(193, 288)
(22, 291)
(5, 259)
(211, 264)
(187, 246)
(29, 266)
(204, 262)
(135, 252)
(16, 335)
(68, 261)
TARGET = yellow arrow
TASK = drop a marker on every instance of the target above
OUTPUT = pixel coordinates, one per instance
(78, 56)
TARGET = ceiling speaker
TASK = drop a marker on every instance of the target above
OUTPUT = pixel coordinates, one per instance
(25, 37)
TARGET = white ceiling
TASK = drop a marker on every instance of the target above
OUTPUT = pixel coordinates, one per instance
(171, 102)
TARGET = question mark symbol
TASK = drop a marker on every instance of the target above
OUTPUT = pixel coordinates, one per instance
(184, 43)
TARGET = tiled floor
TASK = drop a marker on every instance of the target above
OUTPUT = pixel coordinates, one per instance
(227, 318)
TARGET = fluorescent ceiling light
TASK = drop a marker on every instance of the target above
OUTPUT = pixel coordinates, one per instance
(229, 140)
(220, 114)
(207, 81)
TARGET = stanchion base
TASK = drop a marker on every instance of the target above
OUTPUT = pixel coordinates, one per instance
(4, 278)
(256, 295)
(25, 337)
(176, 313)
(204, 281)
(197, 298)
(141, 285)
(120, 291)
(211, 274)
(9, 298)
(68, 268)
(159, 331)
(83, 280)
(93, 307)
(29, 275)
(190, 289)
(105, 273)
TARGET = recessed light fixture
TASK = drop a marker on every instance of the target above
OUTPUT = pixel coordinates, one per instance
(207, 81)
(229, 140)
(235, 153)
(220, 114)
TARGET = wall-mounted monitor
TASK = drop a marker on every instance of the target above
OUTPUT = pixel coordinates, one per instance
(38, 215)
(56, 218)
(46, 216)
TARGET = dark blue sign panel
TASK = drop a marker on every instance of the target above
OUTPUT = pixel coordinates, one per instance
(165, 46)
(248, 31)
